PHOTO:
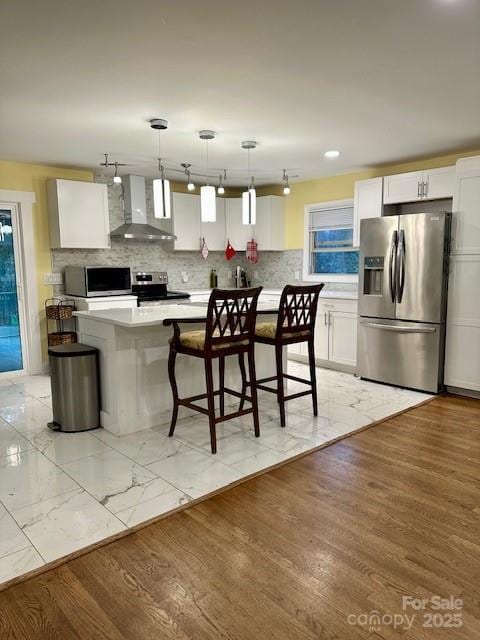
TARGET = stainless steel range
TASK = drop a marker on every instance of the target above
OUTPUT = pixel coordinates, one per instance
(151, 289)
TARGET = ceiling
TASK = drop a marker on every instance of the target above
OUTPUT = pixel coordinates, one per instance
(379, 80)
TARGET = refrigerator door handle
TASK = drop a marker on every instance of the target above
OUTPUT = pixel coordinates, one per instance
(400, 266)
(397, 329)
(392, 266)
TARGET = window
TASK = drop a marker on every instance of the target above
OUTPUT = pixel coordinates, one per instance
(329, 247)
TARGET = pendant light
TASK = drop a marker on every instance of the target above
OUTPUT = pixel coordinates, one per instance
(208, 208)
(190, 183)
(221, 186)
(106, 163)
(286, 186)
(161, 186)
(249, 197)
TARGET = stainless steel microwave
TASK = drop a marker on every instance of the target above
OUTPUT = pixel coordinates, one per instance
(92, 282)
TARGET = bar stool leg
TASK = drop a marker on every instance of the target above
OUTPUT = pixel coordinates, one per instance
(313, 375)
(280, 389)
(221, 377)
(211, 403)
(241, 364)
(173, 383)
(253, 390)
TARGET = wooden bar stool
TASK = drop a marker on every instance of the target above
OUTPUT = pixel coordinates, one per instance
(229, 330)
(295, 323)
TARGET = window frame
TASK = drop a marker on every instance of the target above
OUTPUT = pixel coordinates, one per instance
(351, 278)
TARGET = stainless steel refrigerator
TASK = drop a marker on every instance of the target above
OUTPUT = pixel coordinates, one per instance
(403, 298)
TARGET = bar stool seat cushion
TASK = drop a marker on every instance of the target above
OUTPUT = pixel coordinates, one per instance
(269, 330)
(196, 340)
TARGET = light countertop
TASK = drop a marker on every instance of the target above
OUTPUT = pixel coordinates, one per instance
(151, 316)
(338, 294)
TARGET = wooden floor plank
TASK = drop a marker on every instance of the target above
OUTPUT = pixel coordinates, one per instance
(389, 512)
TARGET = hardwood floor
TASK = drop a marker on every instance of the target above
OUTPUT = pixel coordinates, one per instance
(390, 512)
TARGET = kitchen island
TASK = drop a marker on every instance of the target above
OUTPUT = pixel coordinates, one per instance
(134, 347)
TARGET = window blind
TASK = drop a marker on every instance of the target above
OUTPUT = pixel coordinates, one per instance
(338, 218)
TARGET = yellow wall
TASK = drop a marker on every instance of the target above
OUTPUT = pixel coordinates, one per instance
(341, 187)
(32, 177)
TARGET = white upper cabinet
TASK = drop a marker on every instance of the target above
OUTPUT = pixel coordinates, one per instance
(466, 207)
(215, 232)
(237, 232)
(78, 214)
(186, 221)
(403, 187)
(439, 183)
(270, 224)
(367, 203)
(413, 186)
(269, 231)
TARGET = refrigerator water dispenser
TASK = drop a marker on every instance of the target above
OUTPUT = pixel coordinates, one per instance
(373, 276)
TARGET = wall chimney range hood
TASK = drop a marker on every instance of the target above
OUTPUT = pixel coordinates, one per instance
(136, 227)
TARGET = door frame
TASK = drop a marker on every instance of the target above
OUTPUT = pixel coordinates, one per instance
(21, 203)
(17, 255)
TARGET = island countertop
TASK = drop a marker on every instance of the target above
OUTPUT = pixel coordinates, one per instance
(150, 316)
(133, 351)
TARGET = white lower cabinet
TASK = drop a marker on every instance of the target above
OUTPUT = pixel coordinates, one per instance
(462, 353)
(321, 332)
(335, 335)
(342, 338)
(462, 364)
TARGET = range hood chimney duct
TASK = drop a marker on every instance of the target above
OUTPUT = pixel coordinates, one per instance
(136, 227)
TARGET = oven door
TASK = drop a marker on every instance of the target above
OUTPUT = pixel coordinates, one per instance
(108, 281)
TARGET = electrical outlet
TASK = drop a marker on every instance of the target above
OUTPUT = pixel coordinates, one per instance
(297, 276)
(52, 278)
(255, 275)
(184, 276)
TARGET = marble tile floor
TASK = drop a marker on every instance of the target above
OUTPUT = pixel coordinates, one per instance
(61, 492)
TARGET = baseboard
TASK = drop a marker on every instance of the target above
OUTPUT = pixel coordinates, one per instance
(469, 393)
(325, 364)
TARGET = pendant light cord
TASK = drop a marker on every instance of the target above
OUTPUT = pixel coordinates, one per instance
(160, 168)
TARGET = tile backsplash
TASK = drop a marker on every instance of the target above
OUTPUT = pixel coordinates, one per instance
(274, 269)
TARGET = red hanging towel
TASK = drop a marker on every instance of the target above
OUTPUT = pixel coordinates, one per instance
(229, 251)
(252, 253)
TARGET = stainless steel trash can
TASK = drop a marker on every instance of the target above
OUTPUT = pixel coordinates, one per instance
(75, 395)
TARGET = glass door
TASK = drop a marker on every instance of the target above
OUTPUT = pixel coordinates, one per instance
(10, 335)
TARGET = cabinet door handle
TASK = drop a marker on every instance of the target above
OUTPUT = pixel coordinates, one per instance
(325, 319)
(419, 189)
(425, 189)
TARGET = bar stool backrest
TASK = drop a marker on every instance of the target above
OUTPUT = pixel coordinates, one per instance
(298, 308)
(231, 317)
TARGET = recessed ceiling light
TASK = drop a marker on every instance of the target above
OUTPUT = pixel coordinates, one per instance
(332, 153)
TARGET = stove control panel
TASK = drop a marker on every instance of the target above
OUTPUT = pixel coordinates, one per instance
(155, 277)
